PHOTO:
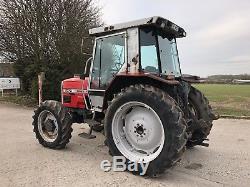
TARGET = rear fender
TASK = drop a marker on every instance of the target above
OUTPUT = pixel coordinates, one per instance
(124, 80)
(192, 79)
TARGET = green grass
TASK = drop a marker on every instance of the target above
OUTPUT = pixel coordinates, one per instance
(23, 100)
(225, 99)
(228, 99)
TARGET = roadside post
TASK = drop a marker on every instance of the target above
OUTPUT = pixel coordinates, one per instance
(41, 78)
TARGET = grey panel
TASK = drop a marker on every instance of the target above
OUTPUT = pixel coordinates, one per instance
(165, 24)
(96, 102)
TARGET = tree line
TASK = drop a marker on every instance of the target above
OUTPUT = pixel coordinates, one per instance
(229, 77)
(48, 36)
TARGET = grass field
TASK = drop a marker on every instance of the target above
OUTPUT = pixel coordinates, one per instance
(228, 99)
(23, 100)
(225, 99)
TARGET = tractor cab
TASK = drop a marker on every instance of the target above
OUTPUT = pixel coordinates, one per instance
(144, 48)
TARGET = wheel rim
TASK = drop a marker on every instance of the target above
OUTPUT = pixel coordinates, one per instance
(138, 132)
(47, 126)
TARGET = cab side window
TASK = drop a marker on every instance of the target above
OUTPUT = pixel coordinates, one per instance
(148, 47)
(108, 60)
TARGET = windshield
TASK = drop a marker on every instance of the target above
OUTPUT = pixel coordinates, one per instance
(163, 59)
(169, 56)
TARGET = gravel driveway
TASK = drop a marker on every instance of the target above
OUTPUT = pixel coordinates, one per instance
(24, 162)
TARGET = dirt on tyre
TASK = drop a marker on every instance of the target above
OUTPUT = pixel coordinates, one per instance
(144, 124)
(52, 125)
(98, 128)
(202, 114)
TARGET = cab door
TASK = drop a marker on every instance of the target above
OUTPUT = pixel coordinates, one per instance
(109, 57)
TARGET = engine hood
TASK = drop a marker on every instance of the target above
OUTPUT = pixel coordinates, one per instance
(75, 83)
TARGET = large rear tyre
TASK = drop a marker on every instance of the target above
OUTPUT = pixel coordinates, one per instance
(52, 125)
(144, 124)
(202, 114)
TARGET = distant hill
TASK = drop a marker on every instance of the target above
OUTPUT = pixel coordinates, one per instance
(231, 77)
(227, 78)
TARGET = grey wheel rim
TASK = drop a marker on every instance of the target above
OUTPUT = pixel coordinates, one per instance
(47, 126)
(138, 132)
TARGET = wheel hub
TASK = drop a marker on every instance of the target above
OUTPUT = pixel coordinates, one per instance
(139, 130)
(47, 126)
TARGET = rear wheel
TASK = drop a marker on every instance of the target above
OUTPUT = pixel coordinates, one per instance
(144, 124)
(202, 114)
(52, 125)
(134, 135)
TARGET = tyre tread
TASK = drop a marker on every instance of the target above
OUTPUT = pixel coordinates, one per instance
(178, 124)
(64, 119)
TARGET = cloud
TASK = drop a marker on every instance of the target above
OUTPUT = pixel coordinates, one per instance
(229, 27)
(244, 59)
(218, 31)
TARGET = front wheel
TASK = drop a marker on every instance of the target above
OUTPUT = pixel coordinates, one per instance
(145, 125)
(52, 125)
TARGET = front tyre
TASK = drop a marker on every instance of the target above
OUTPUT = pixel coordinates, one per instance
(52, 125)
(145, 125)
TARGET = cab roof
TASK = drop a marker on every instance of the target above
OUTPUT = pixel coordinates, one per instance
(165, 25)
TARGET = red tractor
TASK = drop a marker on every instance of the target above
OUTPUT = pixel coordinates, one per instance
(136, 94)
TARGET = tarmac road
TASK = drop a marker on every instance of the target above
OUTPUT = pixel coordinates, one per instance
(24, 162)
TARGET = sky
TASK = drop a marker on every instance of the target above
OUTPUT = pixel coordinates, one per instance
(218, 31)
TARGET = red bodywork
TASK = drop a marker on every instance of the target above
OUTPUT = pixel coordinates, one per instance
(73, 92)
